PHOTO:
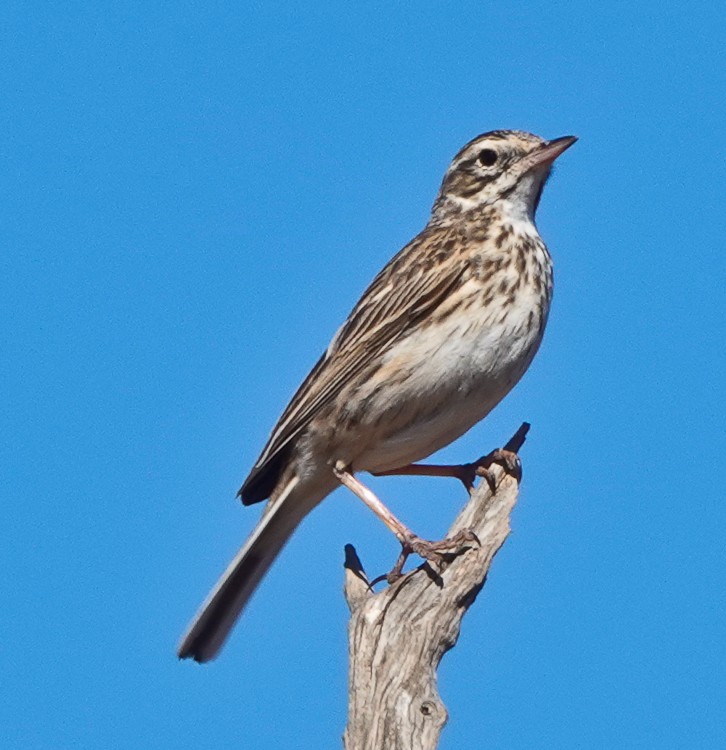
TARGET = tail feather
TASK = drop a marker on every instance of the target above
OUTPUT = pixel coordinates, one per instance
(211, 626)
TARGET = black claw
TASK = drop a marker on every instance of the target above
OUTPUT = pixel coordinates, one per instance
(467, 476)
(487, 476)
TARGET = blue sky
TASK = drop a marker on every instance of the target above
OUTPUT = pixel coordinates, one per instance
(192, 198)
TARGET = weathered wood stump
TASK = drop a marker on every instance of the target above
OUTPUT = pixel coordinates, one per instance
(396, 638)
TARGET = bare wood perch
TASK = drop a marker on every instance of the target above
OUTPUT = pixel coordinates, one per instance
(396, 638)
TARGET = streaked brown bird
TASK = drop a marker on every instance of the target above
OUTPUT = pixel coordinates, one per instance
(441, 335)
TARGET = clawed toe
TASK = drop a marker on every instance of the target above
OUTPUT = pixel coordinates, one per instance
(436, 552)
(508, 460)
(467, 474)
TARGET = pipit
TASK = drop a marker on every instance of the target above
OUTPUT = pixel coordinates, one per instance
(441, 335)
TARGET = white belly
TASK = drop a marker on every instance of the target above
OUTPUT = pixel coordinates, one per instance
(437, 383)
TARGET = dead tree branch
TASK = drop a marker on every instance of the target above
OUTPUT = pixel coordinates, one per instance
(396, 638)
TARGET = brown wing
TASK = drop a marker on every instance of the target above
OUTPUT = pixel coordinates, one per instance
(408, 288)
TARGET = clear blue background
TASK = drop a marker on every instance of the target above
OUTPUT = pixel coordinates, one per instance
(192, 196)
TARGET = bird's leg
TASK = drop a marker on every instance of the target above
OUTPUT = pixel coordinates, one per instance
(410, 542)
(344, 476)
(465, 473)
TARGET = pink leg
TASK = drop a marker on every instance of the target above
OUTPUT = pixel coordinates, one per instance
(409, 541)
(402, 532)
(465, 473)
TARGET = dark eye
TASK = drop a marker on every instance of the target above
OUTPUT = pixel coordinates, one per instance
(488, 157)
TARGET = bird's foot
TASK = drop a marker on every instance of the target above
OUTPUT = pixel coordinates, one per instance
(436, 552)
(507, 459)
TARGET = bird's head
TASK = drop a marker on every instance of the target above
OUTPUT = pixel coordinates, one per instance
(502, 165)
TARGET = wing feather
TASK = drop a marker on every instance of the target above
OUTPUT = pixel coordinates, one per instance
(404, 292)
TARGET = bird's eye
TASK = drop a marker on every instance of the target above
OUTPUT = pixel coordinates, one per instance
(487, 157)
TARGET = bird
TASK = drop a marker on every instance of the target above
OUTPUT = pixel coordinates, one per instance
(437, 340)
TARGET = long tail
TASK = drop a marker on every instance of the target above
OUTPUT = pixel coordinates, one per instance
(211, 626)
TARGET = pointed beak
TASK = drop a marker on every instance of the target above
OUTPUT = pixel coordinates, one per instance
(549, 151)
